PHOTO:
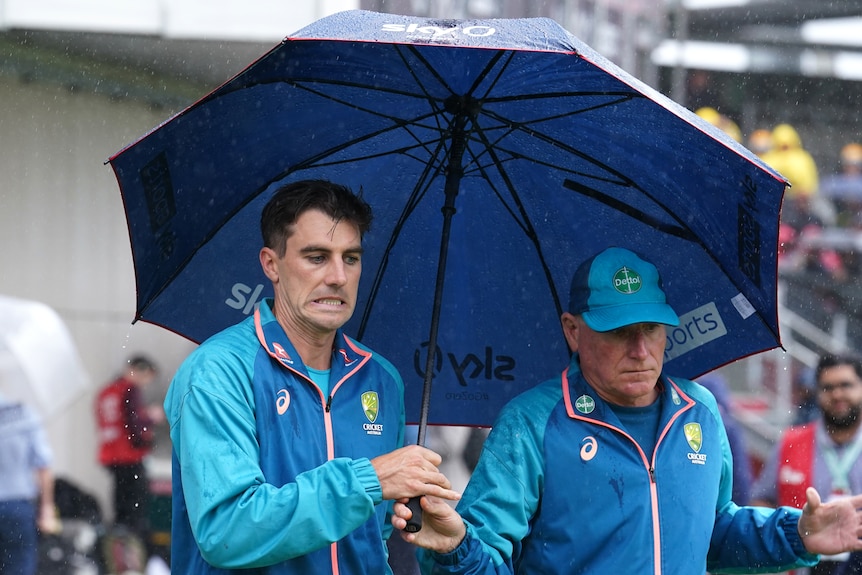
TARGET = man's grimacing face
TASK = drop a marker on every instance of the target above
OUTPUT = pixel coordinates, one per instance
(317, 280)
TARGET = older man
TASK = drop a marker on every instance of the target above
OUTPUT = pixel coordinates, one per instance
(615, 467)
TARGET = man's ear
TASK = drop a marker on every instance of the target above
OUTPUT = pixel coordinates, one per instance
(268, 262)
(570, 330)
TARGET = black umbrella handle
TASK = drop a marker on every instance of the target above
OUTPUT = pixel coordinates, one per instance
(414, 524)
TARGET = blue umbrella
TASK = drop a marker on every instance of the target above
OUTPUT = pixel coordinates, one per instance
(497, 155)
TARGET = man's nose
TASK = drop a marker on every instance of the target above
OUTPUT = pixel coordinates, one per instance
(336, 273)
(637, 344)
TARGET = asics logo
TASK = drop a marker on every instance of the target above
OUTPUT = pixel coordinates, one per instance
(282, 402)
(589, 447)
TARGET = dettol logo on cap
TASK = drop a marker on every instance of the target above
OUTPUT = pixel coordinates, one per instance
(627, 280)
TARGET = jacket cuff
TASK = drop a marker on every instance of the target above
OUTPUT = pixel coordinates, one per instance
(461, 552)
(367, 477)
(790, 525)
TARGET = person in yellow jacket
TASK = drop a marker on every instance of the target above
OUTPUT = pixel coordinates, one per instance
(804, 210)
(720, 121)
(790, 159)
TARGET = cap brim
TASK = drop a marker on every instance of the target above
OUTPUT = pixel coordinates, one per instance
(615, 317)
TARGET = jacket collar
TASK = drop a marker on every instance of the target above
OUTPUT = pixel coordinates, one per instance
(347, 356)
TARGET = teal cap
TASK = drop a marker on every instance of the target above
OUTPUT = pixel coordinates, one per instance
(616, 288)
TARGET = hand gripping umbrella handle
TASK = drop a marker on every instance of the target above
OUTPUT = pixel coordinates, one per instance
(414, 524)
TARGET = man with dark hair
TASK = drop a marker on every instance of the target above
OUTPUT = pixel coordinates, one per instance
(614, 467)
(823, 453)
(288, 434)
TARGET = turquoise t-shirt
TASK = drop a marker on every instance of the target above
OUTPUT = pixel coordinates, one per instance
(641, 423)
(321, 378)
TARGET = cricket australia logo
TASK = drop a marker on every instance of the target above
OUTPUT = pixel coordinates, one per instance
(694, 437)
(371, 409)
(627, 281)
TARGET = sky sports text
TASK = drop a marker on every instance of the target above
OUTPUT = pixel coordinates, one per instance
(440, 33)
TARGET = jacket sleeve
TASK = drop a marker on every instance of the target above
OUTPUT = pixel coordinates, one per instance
(753, 539)
(500, 500)
(471, 557)
(238, 519)
(757, 540)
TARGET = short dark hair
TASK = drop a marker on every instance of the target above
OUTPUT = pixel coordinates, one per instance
(837, 359)
(291, 200)
(141, 363)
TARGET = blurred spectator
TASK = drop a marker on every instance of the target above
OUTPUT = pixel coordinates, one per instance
(450, 441)
(720, 121)
(824, 453)
(845, 189)
(760, 142)
(742, 474)
(26, 488)
(800, 252)
(802, 204)
(805, 396)
(700, 90)
(125, 427)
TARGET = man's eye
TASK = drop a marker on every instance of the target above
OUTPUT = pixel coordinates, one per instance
(316, 259)
(351, 260)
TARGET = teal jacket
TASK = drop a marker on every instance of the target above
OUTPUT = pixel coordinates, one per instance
(271, 476)
(561, 487)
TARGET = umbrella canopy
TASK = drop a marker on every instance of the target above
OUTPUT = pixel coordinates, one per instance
(39, 362)
(497, 155)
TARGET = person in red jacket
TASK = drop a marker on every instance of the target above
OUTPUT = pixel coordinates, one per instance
(825, 453)
(125, 427)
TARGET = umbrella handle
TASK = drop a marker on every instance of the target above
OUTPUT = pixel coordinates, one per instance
(414, 524)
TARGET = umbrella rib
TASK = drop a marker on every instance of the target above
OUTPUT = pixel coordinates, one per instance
(421, 188)
(677, 231)
(308, 163)
(397, 123)
(519, 126)
(681, 231)
(436, 75)
(524, 222)
(618, 97)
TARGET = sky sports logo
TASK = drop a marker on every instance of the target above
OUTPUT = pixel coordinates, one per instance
(441, 32)
(696, 328)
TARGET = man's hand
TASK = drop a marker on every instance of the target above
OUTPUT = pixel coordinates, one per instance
(442, 527)
(412, 472)
(47, 521)
(833, 527)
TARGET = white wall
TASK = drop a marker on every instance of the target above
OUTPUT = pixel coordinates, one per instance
(224, 19)
(63, 241)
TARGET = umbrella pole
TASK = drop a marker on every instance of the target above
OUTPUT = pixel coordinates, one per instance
(454, 172)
